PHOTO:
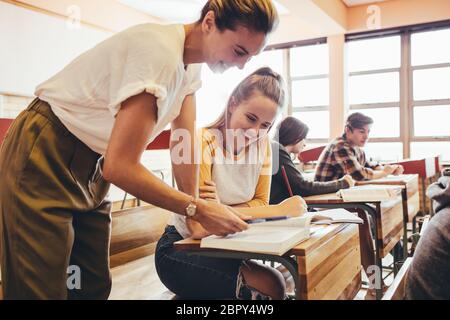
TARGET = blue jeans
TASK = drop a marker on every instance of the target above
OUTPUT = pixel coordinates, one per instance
(192, 276)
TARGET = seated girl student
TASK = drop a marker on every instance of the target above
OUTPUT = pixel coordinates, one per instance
(290, 139)
(235, 170)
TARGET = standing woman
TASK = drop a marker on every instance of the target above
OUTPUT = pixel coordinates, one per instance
(89, 126)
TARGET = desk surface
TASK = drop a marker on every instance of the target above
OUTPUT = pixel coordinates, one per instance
(403, 179)
(333, 198)
(319, 235)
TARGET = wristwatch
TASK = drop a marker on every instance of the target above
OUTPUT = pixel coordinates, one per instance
(191, 209)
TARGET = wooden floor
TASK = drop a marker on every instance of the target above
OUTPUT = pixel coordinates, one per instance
(138, 280)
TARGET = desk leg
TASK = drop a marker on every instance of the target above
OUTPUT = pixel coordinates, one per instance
(371, 211)
(288, 262)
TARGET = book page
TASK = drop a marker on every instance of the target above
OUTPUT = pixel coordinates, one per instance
(294, 222)
(271, 240)
(369, 193)
(334, 216)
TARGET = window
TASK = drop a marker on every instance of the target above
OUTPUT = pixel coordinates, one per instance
(386, 121)
(317, 122)
(217, 88)
(309, 60)
(310, 93)
(374, 54)
(374, 90)
(310, 89)
(427, 149)
(432, 121)
(439, 77)
(432, 47)
(384, 151)
(430, 105)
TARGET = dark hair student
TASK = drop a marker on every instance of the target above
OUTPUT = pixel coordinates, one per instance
(289, 140)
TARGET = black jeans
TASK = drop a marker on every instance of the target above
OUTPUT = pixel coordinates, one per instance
(192, 276)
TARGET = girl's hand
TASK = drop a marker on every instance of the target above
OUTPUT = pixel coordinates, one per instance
(209, 191)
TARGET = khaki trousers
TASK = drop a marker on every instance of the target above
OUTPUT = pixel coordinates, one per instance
(55, 223)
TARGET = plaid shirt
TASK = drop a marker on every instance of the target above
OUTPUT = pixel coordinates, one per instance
(340, 158)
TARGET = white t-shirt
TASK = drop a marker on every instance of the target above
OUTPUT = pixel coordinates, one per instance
(87, 94)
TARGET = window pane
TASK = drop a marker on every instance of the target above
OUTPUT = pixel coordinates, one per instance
(374, 54)
(309, 60)
(384, 151)
(383, 87)
(309, 93)
(216, 88)
(317, 121)
(430, 47)
(432, 84)
(429, 149)
(432, 121)
(386, 122)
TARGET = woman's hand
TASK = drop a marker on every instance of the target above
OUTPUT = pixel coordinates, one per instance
(209, 191)
(219, 219)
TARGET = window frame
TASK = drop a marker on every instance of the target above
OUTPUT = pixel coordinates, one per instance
(406, 85)
(291, 79)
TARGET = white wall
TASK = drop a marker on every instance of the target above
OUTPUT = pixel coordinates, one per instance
(34, 46)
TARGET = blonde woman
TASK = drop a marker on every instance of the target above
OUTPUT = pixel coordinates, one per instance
(236, 171)
(89, 126)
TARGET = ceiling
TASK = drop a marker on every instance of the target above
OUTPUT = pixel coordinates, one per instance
(177, 10)
(352, 3)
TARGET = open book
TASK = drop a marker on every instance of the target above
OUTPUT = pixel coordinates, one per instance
(369, 193)
(278, 237)
(333, 216)
(274, 237)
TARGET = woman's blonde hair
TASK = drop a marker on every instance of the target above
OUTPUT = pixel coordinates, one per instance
(256, 15)
(264, 81)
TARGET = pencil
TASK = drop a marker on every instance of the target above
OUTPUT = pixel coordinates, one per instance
(286, 181)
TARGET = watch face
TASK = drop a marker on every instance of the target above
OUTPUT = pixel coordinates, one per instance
(190, 210)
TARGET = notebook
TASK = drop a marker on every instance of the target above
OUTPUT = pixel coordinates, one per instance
(369, 193)
(273, 237)
(333, 216)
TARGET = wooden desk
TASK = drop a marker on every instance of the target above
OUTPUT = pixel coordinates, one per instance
(387, 217)
(326, 266)
(410, 199)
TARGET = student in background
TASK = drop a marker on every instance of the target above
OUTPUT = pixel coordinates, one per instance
(290, 139)
(345, 155)
(235, 170)
(89, 127)
(429, 273)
